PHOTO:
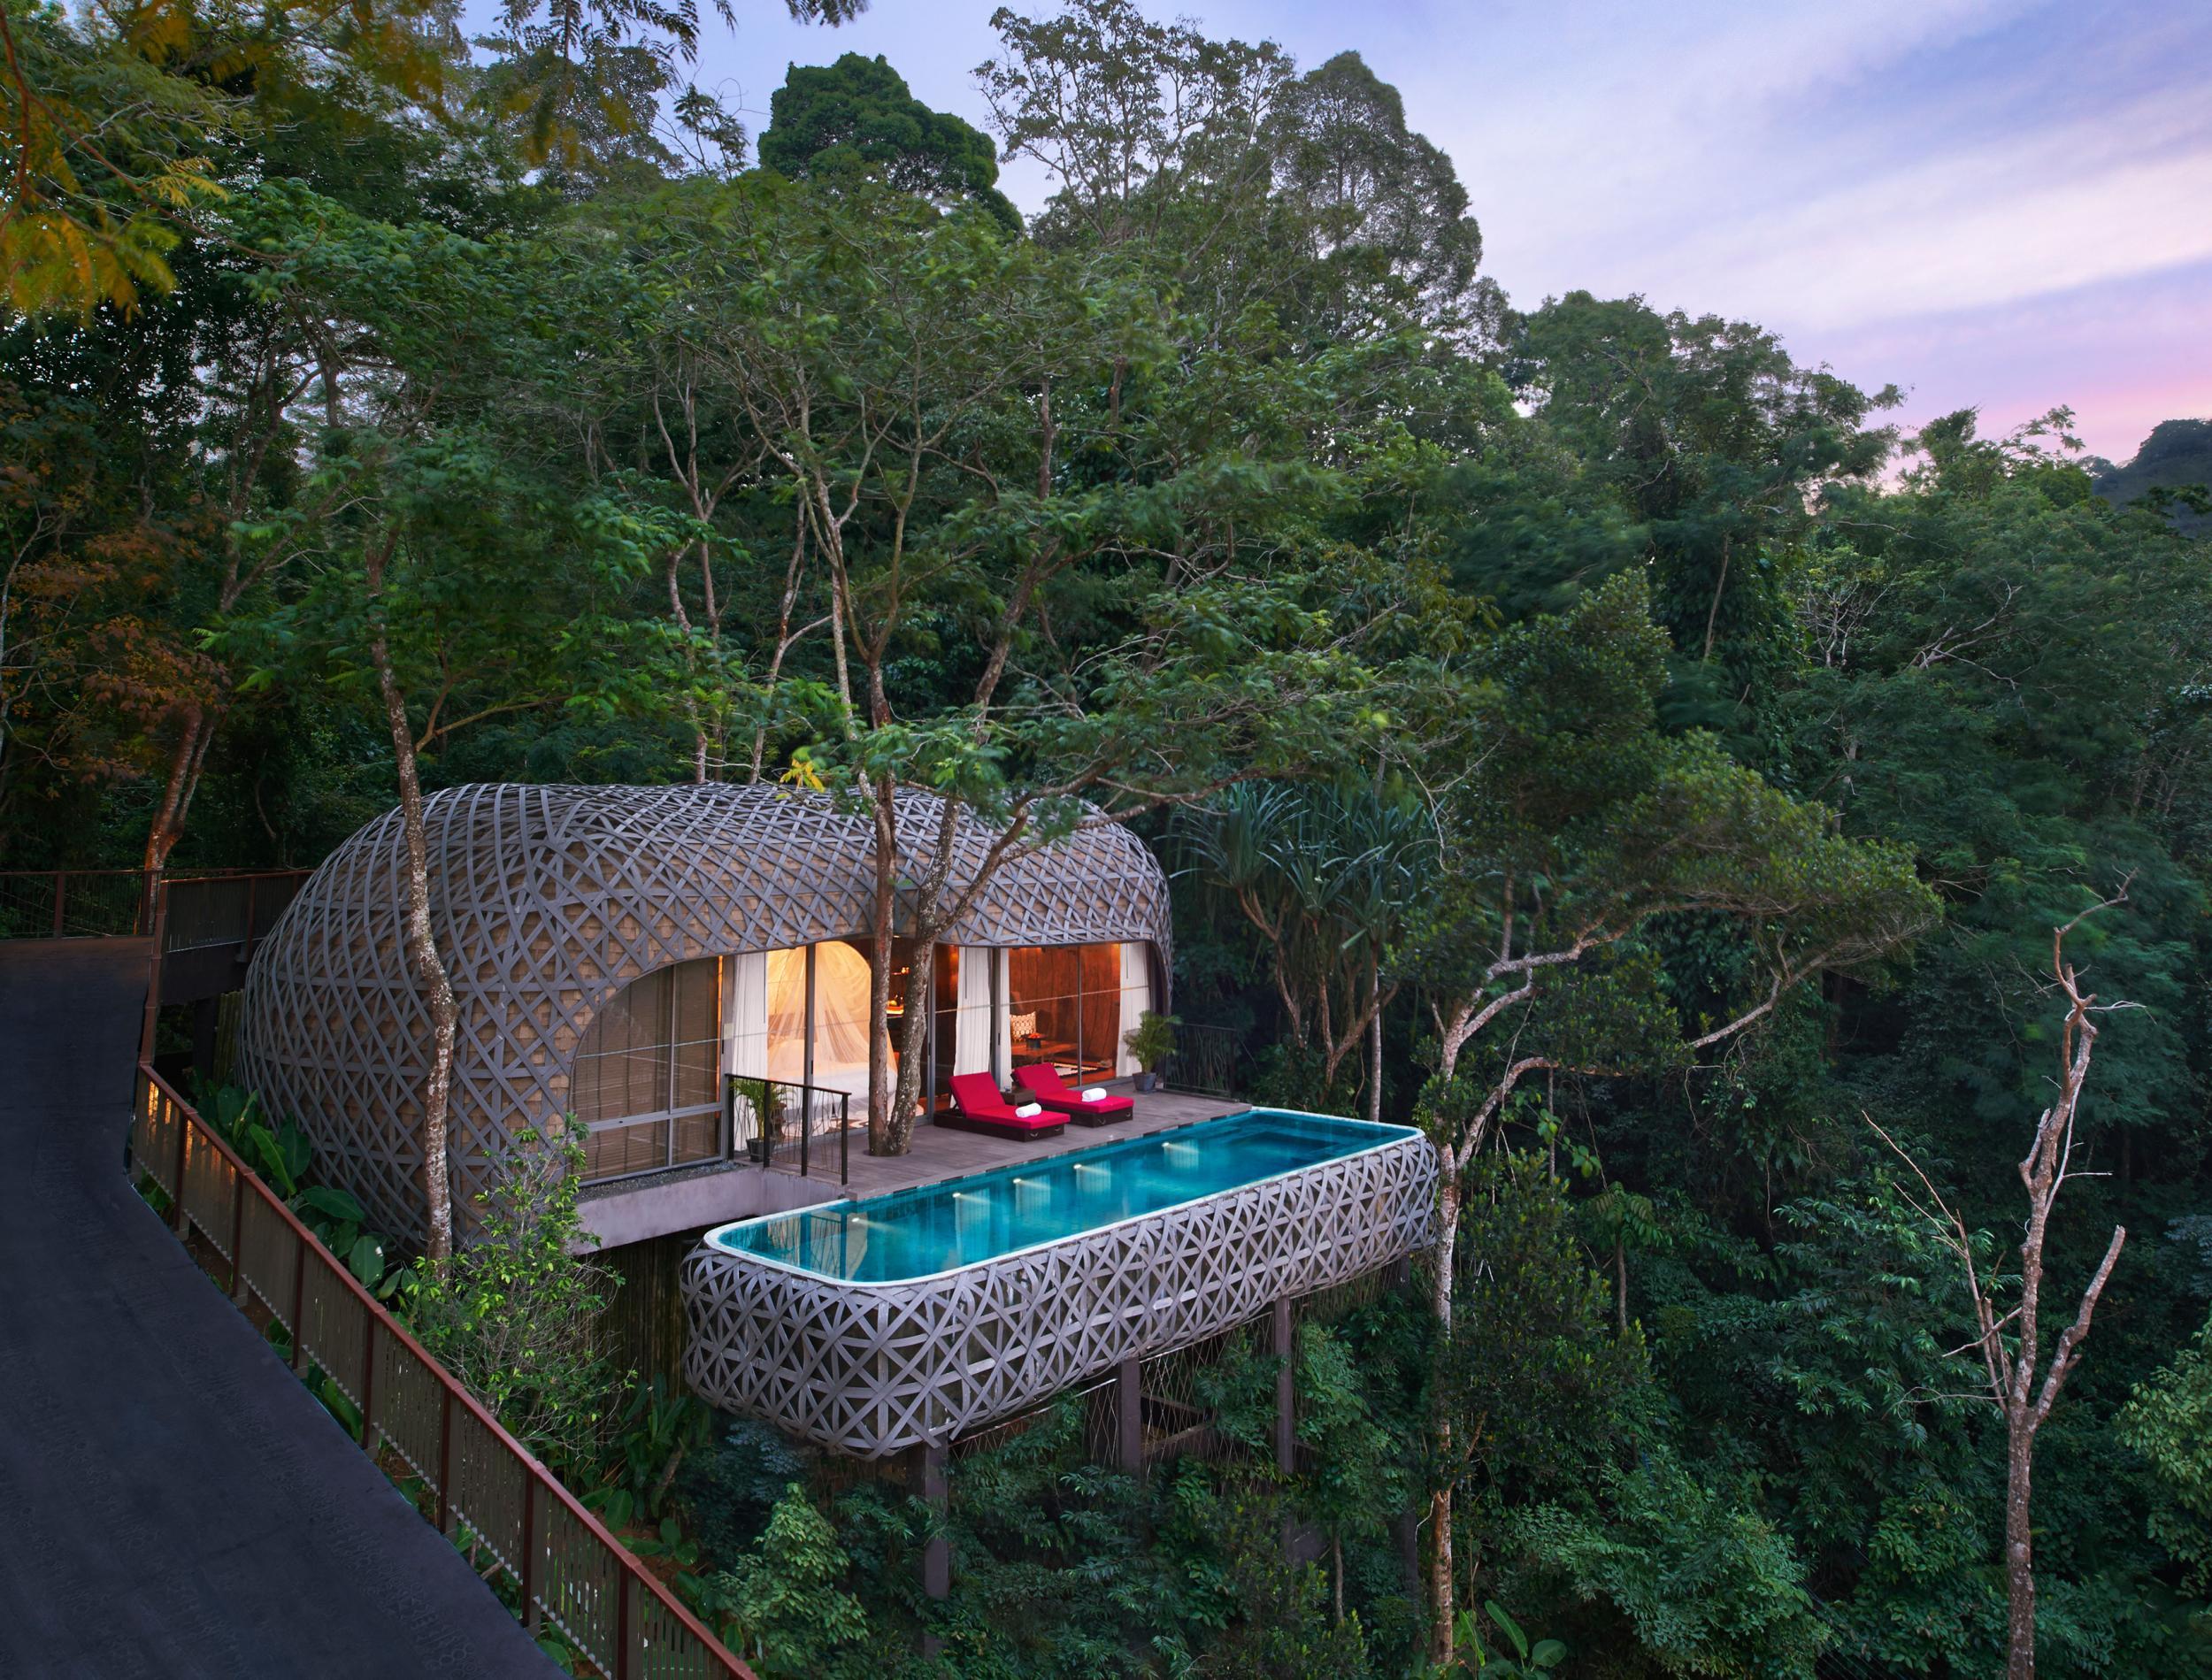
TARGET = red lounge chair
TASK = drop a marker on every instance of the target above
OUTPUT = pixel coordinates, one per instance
(981, 1109)
(1043, 1082)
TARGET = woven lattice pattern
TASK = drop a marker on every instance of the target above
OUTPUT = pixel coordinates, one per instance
(873, 1368)
(546, 901)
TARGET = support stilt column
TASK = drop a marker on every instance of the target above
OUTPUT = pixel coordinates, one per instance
(1129, 1414)
(1286, 1435)
(936, 1550)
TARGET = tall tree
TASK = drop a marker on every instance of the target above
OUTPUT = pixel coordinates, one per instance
(2008, 1340)
(453, 584)
(1384, 206)
(857, 117)
(1571, 829)
(1718, 446)
(999, 480)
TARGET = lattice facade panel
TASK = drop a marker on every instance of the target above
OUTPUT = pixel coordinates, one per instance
(546, 901)
(873, 1368)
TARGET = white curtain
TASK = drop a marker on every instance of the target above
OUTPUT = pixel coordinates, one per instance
(745, 1014)
(1004, 1018)
(785, 976)
(840, 1026)
(971, 1010)
(840, 1006)
(1136, 998)
(840, 1010)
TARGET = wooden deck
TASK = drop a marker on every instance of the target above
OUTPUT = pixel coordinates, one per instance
(939, 1153)
(698, 1198)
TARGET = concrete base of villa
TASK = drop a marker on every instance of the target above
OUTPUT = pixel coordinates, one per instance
(692, 1198)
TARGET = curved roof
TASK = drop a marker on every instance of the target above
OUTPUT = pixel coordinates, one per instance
(546, 901)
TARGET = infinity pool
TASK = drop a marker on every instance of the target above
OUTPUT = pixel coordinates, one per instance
(940, 1228)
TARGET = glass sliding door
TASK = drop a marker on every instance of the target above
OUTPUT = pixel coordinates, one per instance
(647, 1077)
(786, 1058)
(1069, 1005)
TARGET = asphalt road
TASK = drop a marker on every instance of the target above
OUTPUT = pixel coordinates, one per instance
(172, 1502)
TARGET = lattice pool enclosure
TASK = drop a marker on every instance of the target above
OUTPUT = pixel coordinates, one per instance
(875, 1368)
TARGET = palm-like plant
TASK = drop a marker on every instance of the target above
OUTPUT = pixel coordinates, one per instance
(1328, 876)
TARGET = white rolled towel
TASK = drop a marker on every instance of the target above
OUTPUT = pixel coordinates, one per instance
(1029, 1108)
(1093, 1094)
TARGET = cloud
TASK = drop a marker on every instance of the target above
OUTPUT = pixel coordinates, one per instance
(1987, 225)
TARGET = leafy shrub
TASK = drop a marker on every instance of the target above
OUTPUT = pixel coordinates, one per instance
(731, 1489)
(284, 1158)
(2170, 1423)
(782, 1601)
(514, 1313)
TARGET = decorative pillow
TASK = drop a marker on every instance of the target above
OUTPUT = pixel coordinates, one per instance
(1024, 1026)
(1028, 1110)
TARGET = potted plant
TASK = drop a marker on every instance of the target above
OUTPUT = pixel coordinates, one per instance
(764, 1098)
(1152, 1041)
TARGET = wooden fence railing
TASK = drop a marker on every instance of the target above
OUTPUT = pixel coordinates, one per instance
(565, 1566)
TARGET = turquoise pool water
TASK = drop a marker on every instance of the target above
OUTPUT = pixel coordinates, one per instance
(937, 1228)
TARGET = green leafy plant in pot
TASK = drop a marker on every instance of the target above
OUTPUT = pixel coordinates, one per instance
(765, 1098)
(1152, 1041)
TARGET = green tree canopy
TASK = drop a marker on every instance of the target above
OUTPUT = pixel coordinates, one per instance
(834, 123)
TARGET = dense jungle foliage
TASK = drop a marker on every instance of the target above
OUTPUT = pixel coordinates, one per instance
(1579, 729)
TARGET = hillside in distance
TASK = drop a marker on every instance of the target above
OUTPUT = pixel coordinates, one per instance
(2177, 453)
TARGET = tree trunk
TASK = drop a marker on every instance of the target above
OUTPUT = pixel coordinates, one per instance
(1620, 1278)
(2019, 1553)
(913, 1040)
(881, 1142)
(430, 969)
(1441, 1433)
(1374, 1043)
(1712, 613)
(196, 731)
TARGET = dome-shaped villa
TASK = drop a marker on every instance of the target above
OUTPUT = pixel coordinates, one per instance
(632, 956)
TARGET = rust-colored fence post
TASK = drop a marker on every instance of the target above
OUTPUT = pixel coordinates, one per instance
(176, 1118)
(238, 1192)
(299, 1303)
(530, 1615)
(624, 1648)
(445, 1461)
(369, 1439)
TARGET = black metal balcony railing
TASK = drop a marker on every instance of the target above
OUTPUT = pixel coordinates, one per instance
(190, 911)
(773, 1123)
(1205, 1060)
(76, 903)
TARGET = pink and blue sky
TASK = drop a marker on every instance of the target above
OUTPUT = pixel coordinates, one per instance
(2000, 204)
